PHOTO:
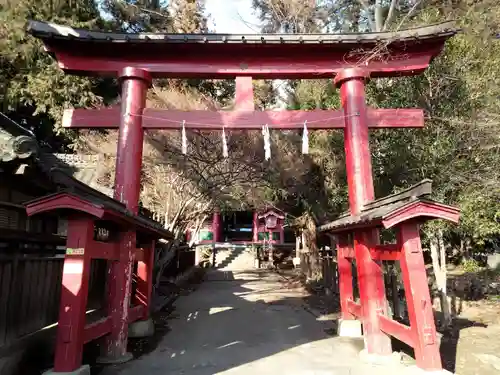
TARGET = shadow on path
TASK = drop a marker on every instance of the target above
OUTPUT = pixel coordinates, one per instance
(247, 323)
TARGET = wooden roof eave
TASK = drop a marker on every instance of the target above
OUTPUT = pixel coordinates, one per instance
(50, 31)
(395, 209)
(66, 200)
(416, 209)
(421, 209)
(226, 56)
(63, 201)
(269, 213)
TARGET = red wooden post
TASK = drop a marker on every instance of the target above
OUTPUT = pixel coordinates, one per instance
(357, 148)
(216, 222)
(281, 224)
(145, 279)
(373, 300)
(418, 298)
(360, 186)
(345, 276)
(255, 227)
(135, 83)
(75, 284)
(244, 94)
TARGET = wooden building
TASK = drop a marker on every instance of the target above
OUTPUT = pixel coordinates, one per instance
(32, 248)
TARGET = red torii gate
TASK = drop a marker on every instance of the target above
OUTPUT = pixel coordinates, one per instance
(137, 58)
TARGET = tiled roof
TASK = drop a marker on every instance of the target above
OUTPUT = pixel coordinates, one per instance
(84, 168)
(45, 30)
(378, 209)
(100, 200)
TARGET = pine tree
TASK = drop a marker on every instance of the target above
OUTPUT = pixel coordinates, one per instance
(33, 90)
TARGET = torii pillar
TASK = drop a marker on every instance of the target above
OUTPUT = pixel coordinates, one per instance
(360, 186)
(134, 85)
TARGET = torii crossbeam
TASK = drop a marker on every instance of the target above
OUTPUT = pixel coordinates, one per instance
(351, 59)
(109, 118)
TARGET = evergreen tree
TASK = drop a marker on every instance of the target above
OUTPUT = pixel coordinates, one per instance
(33, 90)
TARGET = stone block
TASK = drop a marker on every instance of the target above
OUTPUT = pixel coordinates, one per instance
(349, 328)
(84, 370)
(141, 328)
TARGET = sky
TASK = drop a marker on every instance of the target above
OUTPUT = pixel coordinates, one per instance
(232, 16)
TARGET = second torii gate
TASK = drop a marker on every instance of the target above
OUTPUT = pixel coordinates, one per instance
(135, 59)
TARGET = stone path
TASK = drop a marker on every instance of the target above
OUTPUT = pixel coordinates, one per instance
(248, 323)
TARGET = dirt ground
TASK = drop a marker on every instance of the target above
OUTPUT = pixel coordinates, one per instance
(470, 347)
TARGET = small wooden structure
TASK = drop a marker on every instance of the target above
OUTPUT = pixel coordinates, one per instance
(358, 239)
(268, 226)
(127, 238)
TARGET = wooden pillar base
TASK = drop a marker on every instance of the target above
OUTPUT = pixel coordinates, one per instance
(111, 360)
(372, 295)
(419, 303)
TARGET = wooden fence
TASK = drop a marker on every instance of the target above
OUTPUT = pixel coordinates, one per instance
(30, 289)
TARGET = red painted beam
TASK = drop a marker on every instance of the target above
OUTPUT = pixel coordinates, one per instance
(386, 252)
(144, 277)
(400, 331)
(109, 118)
(97, 329)
(354, 308)
(226, 63)
(104, 250)
(74, 291)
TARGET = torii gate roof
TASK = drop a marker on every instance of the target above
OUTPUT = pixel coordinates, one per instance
(387, 212)
(261, 56)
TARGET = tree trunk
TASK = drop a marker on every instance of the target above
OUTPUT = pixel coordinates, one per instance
(379, 16)
(438, 255)
(314, 264)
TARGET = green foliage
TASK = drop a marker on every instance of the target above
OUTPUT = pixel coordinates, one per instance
(31, 84)
(470, 266)
(459, 147)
